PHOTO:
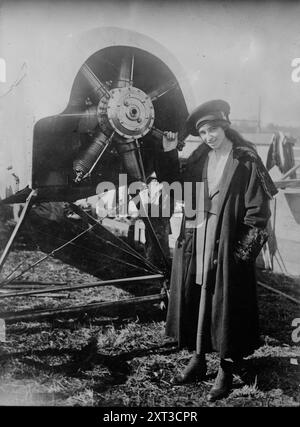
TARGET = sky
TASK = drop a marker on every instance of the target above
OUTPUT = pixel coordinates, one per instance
(238, 51)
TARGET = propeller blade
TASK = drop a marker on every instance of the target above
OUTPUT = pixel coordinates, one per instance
(88, 119)
(162, 90)
(132, 70)
(125, 78)
(98, 88)
(84, 120)
(89, 112)
(64, 122)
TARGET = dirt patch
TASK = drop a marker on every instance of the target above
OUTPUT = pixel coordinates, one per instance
(126, 360)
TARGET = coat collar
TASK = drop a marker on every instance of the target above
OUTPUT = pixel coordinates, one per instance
(230, 167)
(229, 171)
(239, 151)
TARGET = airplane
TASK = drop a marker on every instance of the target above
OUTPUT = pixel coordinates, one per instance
(84, 102)
(102, 113)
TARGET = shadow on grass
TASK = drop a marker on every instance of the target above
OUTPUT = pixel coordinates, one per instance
(276, 316)
(86, 359)
(271, 374)
(277, 373)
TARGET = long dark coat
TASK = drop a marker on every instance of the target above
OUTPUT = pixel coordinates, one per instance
(243, 203)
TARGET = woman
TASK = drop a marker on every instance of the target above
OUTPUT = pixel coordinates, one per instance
(215, 306)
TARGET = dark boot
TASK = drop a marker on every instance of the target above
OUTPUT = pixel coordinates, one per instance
(223, 382)
(195, 370)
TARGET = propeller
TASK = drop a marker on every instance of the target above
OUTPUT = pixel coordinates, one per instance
(122, 115)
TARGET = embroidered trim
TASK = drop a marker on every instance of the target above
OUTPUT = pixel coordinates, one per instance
(250, 244)
(262, 172)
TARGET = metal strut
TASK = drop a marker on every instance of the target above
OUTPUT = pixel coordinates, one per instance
(153, 234)
(129, 249)
(92, 309)
(5, 282)
(56, 288)
(88, 174)
(28, 204)
(100, 253)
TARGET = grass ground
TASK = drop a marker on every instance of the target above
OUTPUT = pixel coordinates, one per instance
(126, 360)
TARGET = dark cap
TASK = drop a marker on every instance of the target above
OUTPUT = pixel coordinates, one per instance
(216, 110)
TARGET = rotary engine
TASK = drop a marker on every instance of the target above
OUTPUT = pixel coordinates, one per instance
(122, 100)
(124, 113)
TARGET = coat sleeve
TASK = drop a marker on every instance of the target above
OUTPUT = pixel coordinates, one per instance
(168, 168)
(257, 209)
(186, 173)
(252, 234)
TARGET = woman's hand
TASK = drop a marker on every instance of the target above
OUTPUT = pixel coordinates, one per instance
(170, 140)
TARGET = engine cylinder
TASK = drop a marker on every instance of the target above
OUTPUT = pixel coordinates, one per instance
(128, 153)
(83, 164)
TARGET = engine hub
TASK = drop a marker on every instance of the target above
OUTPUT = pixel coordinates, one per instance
(130, 112)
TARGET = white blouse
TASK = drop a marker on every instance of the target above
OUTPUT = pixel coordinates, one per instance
(216, 163)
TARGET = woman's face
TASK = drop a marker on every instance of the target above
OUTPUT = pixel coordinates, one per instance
(212, 135)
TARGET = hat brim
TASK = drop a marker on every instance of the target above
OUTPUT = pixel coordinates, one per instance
(203, 110)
